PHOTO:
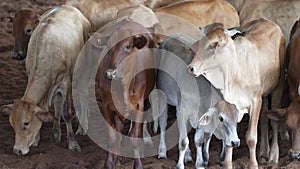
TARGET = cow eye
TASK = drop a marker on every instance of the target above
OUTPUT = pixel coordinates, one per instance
(26, 124)
(221, 119)
(127, 48)
(28, 31)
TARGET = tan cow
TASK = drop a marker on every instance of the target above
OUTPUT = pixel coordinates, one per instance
(180, 16)
(282, 12)
(244, 69)
(100, 13)
(52, 52)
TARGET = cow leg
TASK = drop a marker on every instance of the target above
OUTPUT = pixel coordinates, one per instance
(223, 153)
(228, 157)
(56, 125)
(136, 132)
(206, 151)
(274, 153)
(117, 148)
(162, 150)
(251, 136)
(111, 136)
(67, 116)
(82, 111)
(264, 134)
(183, 139)
(36, 140)
(199, 136)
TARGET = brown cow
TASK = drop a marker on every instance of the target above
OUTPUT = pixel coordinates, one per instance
(24, 23)
(123, 67)
(291, 114)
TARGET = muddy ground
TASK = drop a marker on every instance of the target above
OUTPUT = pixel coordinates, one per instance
(49, 154)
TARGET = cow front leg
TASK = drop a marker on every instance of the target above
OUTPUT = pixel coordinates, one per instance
(36, 140)
(136, 133)
(251, 136)
(199, 136)
(183, 140)
(228, 157)
(223, 153)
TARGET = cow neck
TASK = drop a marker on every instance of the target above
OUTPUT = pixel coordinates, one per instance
(36, 93)
(233, 78)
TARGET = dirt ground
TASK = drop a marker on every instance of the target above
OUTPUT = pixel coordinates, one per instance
(50, 155)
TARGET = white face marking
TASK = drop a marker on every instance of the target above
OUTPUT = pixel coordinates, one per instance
(231, 32)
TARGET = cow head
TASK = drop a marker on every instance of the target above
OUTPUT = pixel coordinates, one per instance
(291, 117)
(26, 120)
(221, 120)
(23, 26)
(124, 53)
(211, 51)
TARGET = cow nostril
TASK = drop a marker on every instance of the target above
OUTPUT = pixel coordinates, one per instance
(235, 143)
(191, 69)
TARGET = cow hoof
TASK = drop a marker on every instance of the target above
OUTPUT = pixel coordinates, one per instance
(188, 159)
(74, 146)
(81, 131)
(162, 155)
(56, 136)
(180, 166)
(148, 141)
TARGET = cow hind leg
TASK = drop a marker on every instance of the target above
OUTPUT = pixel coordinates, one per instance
(183, 140)
(162, 150)
(274, 152)
(72, 143)
(264, 128)
(56, 124)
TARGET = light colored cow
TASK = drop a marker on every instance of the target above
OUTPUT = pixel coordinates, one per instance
(179, 89)
(52, 52)
(282, 12)
(181, 16)
(100, 13)
(244, 69)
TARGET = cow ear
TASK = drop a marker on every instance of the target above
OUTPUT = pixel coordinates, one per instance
(139, 42)
(6, 109)
(276, 115)
(206, 118)
(43, 115)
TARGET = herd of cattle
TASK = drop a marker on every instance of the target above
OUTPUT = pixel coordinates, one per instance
(243, 60)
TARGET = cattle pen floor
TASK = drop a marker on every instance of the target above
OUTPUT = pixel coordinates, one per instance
(49, 154)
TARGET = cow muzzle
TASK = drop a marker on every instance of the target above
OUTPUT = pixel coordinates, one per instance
(294, 154)
(20, 151)
(193, 70)
(111, 74)
(19, 55)
(235, 143)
